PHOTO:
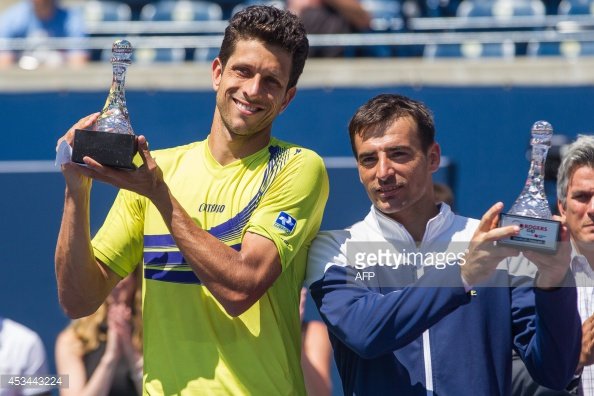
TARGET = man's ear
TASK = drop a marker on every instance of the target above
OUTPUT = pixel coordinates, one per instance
(561, 209)
(434, 157)
(216, 73)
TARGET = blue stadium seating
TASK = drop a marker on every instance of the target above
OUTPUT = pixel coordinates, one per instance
(106, 11)
(470, 50)
(568, 49)
(576, 7)
(501, 8)
(181, 11)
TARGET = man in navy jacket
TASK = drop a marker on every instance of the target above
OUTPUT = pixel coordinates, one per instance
(420, 301)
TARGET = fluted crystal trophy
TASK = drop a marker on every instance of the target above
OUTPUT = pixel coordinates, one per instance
(531, 210)
(110, 140)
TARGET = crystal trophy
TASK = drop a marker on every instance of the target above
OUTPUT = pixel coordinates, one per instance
(531, 210)
(110, 140)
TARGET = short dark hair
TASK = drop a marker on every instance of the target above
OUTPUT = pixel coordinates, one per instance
(269, 25)
(380, 111)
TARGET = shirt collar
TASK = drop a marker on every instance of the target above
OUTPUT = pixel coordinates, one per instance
(395, 232)
(579, 262)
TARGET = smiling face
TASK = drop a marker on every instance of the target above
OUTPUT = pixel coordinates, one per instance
(396, 171)
(578, 211)
(251, 88)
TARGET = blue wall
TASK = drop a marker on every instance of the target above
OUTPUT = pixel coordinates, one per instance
(483, 130)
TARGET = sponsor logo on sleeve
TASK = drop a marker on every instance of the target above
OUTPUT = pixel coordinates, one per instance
(285, 222)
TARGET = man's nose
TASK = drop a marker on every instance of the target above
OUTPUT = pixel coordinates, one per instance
(591, 206)
(385, 169)
(253, 86)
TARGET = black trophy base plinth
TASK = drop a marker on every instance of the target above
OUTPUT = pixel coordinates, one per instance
(535, 234)
(107, 148)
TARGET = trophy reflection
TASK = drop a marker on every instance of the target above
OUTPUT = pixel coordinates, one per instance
(110, 140)
(531, 210)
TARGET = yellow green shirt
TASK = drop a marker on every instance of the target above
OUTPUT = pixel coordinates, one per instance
(191, 345)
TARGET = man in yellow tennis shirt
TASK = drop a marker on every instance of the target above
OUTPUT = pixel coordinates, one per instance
(222, 227)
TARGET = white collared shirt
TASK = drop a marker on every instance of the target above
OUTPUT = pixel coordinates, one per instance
(584, 278)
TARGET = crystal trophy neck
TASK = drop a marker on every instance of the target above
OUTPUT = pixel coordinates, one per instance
(114, 116)
(532, 201)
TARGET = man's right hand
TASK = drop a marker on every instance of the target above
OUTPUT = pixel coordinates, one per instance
(75, 180)
(483, 256)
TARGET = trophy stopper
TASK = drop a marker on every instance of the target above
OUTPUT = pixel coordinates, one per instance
(121, 52)
(531, 210)
(110, 140)
(542, 133)
(532, 201)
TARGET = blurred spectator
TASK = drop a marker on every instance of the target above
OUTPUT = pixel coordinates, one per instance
(21, 354)
(316, 354)
(329, 17)
(102, 353)
(39, 19)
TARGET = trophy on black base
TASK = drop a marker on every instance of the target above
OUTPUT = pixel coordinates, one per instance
(531, 210)
(110, 140)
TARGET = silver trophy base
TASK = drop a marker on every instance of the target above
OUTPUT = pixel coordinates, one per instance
(535, 234)
(110, 149)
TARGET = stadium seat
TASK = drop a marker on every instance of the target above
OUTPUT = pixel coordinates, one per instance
(568, 49)
(576, 7)
(385, 14)
(106, 11)
(205, 54)
(181, 11)
(275, 3)
(470, 50)
(501, 9)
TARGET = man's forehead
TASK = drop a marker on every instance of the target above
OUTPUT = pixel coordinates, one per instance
(581, 177)
(402, 129)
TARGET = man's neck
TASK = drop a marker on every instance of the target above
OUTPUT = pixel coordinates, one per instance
(226, 147)
(415, 220)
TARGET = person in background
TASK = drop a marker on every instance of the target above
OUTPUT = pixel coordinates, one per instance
(329, 17)
(22, 355)
(575, 201)
(316, 353)
(102, 353)
(40, 19)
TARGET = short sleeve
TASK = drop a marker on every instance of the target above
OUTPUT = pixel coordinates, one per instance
(119, 242)
(290, 212)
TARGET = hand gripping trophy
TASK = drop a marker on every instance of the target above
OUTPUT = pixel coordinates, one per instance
(110, 140)
(531, 210)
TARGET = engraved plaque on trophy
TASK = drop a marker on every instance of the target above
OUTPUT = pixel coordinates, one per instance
(531, 210)
(110, 140)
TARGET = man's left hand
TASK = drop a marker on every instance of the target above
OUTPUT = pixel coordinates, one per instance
(147, 180)
(552, 269)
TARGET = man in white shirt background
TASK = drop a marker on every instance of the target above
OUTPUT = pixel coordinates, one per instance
(575, 201)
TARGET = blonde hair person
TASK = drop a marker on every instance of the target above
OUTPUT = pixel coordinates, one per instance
(102, 353)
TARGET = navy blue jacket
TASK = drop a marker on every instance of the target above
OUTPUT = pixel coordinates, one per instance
(401, 333)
